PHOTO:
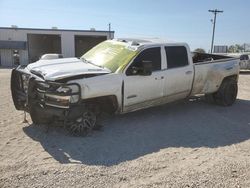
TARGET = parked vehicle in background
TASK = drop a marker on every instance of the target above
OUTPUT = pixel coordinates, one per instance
(245, 62)
(51, 56)
(244, 59)
(120, 76)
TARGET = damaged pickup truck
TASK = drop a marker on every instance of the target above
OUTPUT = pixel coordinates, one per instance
(120, 76)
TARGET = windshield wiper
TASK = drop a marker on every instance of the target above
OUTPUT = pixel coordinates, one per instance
(86, 61)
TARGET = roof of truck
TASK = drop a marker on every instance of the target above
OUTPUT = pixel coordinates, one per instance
(139, 42)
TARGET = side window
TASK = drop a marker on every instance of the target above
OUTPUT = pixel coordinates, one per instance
(152, 55)
(176, 56)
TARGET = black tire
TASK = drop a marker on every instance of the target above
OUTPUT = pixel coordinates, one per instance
(38, 116)
(227, 93)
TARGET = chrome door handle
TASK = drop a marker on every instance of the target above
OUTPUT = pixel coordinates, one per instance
(189, 72)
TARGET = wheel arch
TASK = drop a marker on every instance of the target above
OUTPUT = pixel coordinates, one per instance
(231, 77)
(107, 103)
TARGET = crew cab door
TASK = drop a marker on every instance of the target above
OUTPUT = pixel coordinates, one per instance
(179, 73)
(143, 90)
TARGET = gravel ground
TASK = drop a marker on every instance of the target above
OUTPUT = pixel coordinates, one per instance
(184, 144)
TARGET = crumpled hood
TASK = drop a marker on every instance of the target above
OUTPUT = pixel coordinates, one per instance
(56, 69)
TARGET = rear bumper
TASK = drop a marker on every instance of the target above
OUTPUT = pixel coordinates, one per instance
(28, 92)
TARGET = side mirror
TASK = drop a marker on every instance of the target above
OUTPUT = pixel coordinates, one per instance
(146, 68)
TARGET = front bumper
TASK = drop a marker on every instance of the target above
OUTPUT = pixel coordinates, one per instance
(29, 91)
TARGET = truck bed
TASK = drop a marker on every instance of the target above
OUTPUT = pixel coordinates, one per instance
(209, 71)
(200, 58)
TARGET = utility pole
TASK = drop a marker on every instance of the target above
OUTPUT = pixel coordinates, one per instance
(109, 30)
(215, 12)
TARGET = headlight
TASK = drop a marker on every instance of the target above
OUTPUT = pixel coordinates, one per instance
(64, 90)
(63, 96)
(25, 80)
(74, 89)
(74, 99)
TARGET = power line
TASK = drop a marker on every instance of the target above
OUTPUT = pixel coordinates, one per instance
(215, 12)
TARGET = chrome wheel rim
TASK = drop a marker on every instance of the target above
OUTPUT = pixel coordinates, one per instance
(84, 124)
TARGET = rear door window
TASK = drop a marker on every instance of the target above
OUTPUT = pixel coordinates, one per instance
(176, 56)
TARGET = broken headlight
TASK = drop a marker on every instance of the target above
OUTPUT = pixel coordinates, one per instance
(63, 96)
(75, 97)
(70, 89)
(63, 90)
(25, 82)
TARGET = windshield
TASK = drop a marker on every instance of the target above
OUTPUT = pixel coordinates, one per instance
(110, 54)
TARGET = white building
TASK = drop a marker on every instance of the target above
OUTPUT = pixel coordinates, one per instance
(30, 44)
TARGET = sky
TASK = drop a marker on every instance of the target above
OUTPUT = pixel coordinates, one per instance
(174, 20)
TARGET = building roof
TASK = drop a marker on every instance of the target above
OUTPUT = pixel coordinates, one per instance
(66, 30)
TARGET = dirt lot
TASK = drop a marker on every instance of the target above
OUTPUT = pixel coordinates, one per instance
(186, 144)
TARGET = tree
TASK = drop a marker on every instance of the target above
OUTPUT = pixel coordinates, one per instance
(200, 50)
(239, 48)
(236, 48)
(231, 49)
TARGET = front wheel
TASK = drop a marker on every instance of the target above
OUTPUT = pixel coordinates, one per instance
(83, 124)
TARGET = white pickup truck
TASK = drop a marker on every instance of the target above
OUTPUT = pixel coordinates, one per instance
(245, 62)
(120, 76)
